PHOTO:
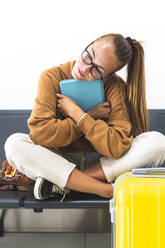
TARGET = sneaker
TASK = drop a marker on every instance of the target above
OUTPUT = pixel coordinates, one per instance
(44, 189)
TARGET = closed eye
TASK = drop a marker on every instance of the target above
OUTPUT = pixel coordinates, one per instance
(101, 67)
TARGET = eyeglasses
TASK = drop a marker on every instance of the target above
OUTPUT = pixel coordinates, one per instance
(87, 59)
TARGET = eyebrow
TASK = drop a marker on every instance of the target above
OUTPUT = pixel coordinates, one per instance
(95, 57)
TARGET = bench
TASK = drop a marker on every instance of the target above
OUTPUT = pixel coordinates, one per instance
(12, 121)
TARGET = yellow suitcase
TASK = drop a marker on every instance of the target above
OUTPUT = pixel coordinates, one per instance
(138, 209)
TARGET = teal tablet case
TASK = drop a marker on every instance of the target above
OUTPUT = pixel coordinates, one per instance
(87, 94)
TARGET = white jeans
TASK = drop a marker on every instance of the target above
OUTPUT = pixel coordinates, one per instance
(147, 150)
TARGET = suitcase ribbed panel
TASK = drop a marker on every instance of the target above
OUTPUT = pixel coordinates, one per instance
(140, 213)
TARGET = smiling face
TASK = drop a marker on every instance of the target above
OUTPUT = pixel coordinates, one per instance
(102, 55)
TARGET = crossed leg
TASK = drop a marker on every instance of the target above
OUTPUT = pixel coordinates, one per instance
(96, 171)
(37, 161)
(143, 153)
(88, 182)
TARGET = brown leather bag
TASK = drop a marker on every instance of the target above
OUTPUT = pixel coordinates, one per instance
(16, 182)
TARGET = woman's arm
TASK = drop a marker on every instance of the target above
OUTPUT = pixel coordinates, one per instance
(111, 138)
(45, 127)
(114, 137)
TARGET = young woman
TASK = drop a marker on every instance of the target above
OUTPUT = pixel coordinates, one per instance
(115, 129)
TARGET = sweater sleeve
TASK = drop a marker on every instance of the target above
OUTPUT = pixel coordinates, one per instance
(111, 138)
(46, 128)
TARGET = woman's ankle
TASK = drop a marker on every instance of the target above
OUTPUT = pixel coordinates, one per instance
(107, 191)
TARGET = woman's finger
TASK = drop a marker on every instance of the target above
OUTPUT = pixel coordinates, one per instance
(106, 104)
(60, 95)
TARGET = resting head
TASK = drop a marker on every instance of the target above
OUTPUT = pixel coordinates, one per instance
(103, 57)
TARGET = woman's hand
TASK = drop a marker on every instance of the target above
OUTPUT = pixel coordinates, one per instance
(100, 111)
(66, 105)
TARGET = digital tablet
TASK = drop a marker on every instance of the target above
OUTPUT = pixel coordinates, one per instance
(87, 94)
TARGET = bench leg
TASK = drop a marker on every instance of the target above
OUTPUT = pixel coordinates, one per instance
(2, 222)
(38, 210)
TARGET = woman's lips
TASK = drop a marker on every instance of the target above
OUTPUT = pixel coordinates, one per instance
(80, 73)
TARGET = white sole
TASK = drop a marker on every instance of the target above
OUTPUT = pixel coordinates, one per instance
(37, 187)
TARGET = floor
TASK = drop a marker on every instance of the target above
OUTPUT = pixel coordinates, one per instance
(52, 240)
(61, 228)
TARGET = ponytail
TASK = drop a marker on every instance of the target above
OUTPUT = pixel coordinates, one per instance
(136, 90)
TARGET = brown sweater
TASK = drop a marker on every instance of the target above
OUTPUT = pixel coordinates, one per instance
(49, 129)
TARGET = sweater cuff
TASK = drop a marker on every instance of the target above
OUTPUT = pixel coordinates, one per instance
(86, 124)
(77, 130)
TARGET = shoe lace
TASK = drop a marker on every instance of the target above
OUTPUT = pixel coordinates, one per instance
(61, 191)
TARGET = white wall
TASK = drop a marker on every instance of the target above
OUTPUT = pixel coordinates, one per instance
(38, 34)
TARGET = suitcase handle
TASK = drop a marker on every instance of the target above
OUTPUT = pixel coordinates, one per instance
(160, 170)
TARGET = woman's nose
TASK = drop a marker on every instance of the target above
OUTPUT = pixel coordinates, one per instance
(86, 68)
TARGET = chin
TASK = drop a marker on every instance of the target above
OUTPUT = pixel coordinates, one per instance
(75, 76)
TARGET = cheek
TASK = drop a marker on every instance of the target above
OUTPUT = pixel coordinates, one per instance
(79, 62)
(74, 70)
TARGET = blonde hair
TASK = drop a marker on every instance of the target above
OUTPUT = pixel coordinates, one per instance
(132, 55)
